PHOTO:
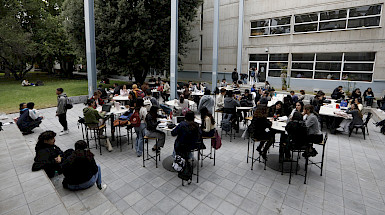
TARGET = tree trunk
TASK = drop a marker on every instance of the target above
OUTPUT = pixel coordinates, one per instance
(140, 77)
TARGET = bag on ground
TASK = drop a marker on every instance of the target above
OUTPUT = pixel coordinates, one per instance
(186, 173)
(217, 142)
(226, 122)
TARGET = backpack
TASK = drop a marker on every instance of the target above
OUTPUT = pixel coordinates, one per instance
(226, 122)
(217, 142)
(178, 163)
(135, 119)
(140, 94)
(68, 103)
(185, 110)
(186, 172)
(147, 103)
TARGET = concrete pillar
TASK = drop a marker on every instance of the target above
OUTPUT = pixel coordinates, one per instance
(240, 37)
(215, 44)
(174, 49)
(90, 46)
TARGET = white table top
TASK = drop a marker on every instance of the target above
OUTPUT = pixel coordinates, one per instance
(154, 91)
(113, 110)
(197, 93)
(175, 104)
(279, 126)
(120, 98)
(327, 110)
(244, 108)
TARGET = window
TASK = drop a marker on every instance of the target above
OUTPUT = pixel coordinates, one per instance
(355, 66)
(341, 19)
(275, 62)
(279, 25)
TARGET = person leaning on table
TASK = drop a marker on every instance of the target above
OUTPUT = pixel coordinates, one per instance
(313, 129)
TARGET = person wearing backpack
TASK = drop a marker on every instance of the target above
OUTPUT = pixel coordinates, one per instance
(230, 107)
(61, 111)
(149, 97)
(138, 122)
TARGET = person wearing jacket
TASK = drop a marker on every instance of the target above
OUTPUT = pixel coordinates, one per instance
(61, 111)
(80, 169)
(338, 93)
(356, 94)
(94, 119)
(257, 130)
(29, 119)
(166, 91)
(151, 131)
(188, 136)
(141, 129)
(296, 134)
(48, 155)
(313, 129)
(368, 96)
(230, 105)
(206, 101)
(220, 99)
(276, 110)
(98, 100)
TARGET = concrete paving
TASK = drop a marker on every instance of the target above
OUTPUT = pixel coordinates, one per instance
(353, 181)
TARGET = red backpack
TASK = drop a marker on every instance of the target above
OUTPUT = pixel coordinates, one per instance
(140, 94)
(135, 119)
(217, 142)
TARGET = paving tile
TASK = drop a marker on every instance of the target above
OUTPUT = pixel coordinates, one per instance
(133, 198)
(42, 204)
(104, 209)
(227, 208)
(57, 210)
(12, 203)
(189, 203)
(179, 210)
(39, 192)
(142, 206)
(166, 204)
(18, 211)
(10, 192)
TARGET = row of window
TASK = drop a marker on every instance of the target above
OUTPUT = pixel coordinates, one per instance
(354, 66)
(340, 19)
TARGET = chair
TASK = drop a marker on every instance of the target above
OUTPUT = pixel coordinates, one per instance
(96, 130)
(304, 149)
(234, 117)
(323, 144)
(209, 155)
(252, 154)
(119, 134)
(363, 126)
(157, 153)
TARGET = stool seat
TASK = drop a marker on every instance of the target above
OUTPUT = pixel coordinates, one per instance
(96, 128)
(219, 111)
(208, 137)
(149, 138)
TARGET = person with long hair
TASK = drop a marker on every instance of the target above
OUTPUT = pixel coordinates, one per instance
(151, 131)
(182, 106)
(313, 129)
(208, 123)
(368, 96)
(80, 169)
(257, 130)
(124, 91)
(296, 133)
(141, 129)
(298, 108)
(276, 110)
(48, 155)
(188, 136)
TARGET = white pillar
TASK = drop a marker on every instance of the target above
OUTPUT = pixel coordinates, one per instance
(240, 37)
(215, 45)
(90, 45)
(174, 48)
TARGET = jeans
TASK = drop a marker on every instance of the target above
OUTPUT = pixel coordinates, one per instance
(96, 178)
(160, 135)
(139, 138)
(63, 120)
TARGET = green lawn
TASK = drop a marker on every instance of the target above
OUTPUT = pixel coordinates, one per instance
(12, 93)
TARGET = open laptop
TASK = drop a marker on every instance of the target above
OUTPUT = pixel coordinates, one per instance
(178, 119)
(106, 107)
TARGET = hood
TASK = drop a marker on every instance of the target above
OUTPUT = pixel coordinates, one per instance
(87, 109)
(63, 94)
(40, 146)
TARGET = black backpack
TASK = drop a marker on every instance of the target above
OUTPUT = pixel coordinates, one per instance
(186, 173)
(226, 122)
(68, 103)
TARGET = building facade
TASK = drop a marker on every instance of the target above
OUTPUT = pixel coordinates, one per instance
(320, 44)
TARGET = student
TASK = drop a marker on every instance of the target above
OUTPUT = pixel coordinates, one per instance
(151, 131)
(368, 96)
(98, 100)
(188, 136)
(182, 106)
(124, 91)
(229, 107)
(357, 116)
(48, 155)
(61, 111)
(145, 87)
(206, 101)
(264, 100)
(141, 129)
(294, 97)
(287, 105)
(234, 75)
(223, 83)
(267, 85)
(357, 102)
(29, 119)
(80, 169)
(257, 130)
(104, 94)
(153, 100)
(356, 94)
(301, 97)
(25, 83)
(253, 88)
(116, 89)
(276, 110)
(94, 118)
(297, 132)
(313, 129)
(298, 108)
(220, 99)
(208, 123)
(338, 93)
(22, 108)
(166, 91)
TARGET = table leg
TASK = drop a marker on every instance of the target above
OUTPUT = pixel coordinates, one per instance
(112, 118)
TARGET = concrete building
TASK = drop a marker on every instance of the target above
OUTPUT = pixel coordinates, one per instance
(320, 43)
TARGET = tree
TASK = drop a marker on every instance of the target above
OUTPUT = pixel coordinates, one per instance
(132, 36)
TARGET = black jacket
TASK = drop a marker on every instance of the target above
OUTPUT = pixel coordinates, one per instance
(45, 159)
(337, 94)
(151, 122)
(79, 167)
(297, 133)
(188, 137)
(279, 112)
(257, 128)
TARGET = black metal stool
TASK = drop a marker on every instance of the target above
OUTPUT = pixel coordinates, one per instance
(209, 155)
(157, 152)
(252, 154)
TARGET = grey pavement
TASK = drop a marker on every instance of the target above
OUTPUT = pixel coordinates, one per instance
(353, 181)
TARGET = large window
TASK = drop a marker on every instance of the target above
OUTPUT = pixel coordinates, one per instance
(339, 19)
(280, 25)
(275, 62)
(355, 66)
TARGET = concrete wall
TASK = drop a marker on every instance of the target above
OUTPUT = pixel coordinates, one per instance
(336, 41)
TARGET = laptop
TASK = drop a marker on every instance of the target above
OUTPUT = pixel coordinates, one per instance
(178, 119)
(106, 107)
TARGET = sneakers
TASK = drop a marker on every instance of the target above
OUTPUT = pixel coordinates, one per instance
(63, 133)
(102, 187)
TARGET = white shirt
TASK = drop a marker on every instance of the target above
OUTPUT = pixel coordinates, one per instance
(142, 114)
(34, 114)
(220, 102)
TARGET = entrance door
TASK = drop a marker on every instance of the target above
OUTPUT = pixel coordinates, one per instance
(262, 69)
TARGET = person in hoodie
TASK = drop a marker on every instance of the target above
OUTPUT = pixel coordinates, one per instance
(61, 111)
(48, 155)
(94, 118)
(80, 169)
(29, 119)
(230, 105)
(206, 101)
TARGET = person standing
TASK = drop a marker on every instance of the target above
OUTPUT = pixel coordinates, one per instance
(61, 111)
(234, 75)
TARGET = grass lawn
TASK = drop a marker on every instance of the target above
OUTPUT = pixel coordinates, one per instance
(12, 93)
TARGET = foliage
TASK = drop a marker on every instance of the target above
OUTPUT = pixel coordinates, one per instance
(284, 78)
(131, 35)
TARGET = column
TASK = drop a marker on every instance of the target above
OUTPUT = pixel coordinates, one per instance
(90, 46)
